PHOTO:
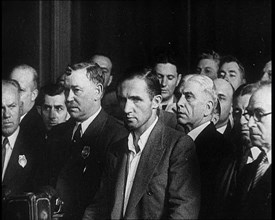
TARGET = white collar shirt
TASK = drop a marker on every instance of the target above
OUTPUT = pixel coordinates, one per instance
(133, 160)
(196, 131)
(86, 123)
(222, 129)
(9, 148)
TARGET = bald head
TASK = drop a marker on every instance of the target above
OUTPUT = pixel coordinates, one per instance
(225, 95)
(106, 64)
(27, 78)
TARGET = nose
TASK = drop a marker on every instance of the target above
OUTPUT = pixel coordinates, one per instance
(128, 107)
(69, 95)
(52, 114)
(243, 120)
(164, 81)
(6, 113)
(181, 101)
(251, 122)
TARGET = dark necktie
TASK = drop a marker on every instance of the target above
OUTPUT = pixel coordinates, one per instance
(77, 134)
(5, 142)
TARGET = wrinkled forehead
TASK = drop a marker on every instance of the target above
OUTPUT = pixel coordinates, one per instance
(10, 93)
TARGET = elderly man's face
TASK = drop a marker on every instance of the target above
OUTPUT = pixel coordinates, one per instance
(28, 92)
(208, 67)
(168, 78)
(81, 95)
(192, 104)
(54, 110)
(241, 123)
(260, 131)
(10, 110)
(231, 73)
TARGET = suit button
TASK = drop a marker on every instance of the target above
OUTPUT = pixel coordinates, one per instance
(149, 193)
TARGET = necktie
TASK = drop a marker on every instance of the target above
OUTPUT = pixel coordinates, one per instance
(261, 167)
(5, 142)
(77, 134)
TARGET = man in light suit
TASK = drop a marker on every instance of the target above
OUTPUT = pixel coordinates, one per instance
(78, 147)
(20, 156)
(195, 109)
(152, 173)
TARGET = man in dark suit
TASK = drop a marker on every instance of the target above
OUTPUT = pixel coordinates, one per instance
(31, 122)
(20, 158)
(195, 109)
(253, 190)
(78, 146)
(152, 173)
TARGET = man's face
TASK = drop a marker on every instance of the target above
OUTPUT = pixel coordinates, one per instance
(208, 67)
(54, 110)
(191, 105)
(168, 78)
(136, 103)
(10, 110)
(106, 65)
(81, 95)
(231, 73)
(225, 96)
(239, 107)
(28, 94)
(260, 131)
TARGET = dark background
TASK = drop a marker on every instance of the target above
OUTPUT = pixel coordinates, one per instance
(130, 31)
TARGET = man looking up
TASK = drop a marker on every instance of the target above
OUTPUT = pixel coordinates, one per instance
(152, 173)
(169, 77)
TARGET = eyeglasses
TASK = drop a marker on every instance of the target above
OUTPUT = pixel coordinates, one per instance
(257, 115)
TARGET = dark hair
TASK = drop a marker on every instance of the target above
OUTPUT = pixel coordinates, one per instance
(93, 71)
(229, 59)
(210, 55)
(245, 89)
(147, 74)
(51, 90)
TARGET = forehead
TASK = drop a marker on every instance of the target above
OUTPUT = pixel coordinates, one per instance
(223, 87)
(103, 61)
(166, 69)
(261, 99)
(77, 78)
(55, 100)
(134, 87)
(9, 94)
(242, 101)
(193, 87)
(230, 66)
(207, 63)
(23, 76)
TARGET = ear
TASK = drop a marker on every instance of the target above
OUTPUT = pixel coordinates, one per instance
(157, 99)
(209, 108)
(34, 94)
(98, 92)
(110, 80)
(178, 80)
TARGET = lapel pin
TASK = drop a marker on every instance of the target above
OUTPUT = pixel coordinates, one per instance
(22, 160)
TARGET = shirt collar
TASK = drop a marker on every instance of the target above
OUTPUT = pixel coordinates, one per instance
(143, 138)
(222, 129)
(12, 138)
(196, 131)
(87, 122)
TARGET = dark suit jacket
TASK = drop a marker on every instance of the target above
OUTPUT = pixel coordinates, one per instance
(20, 179)
(78, 179)
(212, 148)
(168, 118)
(166, 184)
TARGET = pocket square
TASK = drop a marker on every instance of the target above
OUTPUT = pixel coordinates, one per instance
(22, 160)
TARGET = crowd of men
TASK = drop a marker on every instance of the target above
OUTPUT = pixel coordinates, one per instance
(163, 145)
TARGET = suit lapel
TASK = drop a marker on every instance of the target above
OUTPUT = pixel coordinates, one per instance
(150, 158)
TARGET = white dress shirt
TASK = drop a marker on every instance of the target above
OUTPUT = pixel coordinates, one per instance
(133, 160)
(9, 148)
(196, 131)
(222, 129)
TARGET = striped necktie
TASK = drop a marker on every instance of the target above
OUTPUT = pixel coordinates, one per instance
(263, 162)
(5, 142)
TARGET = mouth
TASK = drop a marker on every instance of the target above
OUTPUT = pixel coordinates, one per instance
(7, 123)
